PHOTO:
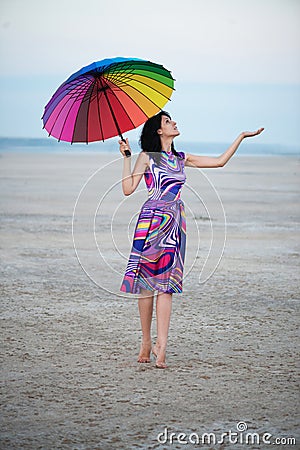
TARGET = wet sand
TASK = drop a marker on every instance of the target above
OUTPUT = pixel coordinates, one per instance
(70, 338)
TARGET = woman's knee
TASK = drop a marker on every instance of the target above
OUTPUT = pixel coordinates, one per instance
(146, 293)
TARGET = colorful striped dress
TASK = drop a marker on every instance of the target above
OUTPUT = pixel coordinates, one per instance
(156, 259)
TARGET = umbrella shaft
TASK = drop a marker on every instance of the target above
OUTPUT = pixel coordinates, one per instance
(104, 88)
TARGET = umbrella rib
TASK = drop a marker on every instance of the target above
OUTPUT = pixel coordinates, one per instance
(62, 129)
(50, 132)
(111, 111)
(87, 98)
(130, 75)
(130, 98)
(151, 101)
(156, 90)
(138, 106)
(144, 84)
(112, 91)
(126, 66)
(67, 115)
(100, 123)
(87, 115)
(119, 67)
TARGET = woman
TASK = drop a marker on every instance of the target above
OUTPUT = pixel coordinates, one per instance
(158, 250)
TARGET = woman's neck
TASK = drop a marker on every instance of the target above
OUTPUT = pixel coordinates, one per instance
(166, 144)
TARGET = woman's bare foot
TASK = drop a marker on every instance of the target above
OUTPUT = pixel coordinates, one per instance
(160, 354)
(144, 355)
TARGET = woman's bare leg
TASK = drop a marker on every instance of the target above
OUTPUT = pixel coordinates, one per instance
(163, 315)
(145, 303)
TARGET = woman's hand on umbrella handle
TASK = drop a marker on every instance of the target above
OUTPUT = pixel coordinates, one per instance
(124, 146)
(252, 133)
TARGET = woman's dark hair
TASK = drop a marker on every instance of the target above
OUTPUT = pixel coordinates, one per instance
(150, 140)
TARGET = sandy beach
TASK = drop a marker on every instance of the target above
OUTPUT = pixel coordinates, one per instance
(70, 338)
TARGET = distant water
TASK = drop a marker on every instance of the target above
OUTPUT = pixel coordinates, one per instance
(37, 145)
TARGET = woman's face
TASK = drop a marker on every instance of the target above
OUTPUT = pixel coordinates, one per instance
(168, 127)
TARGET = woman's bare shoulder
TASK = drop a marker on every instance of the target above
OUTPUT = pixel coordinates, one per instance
(144, 157)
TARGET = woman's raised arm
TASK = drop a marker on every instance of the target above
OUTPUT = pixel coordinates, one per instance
(130, 180)
(219, 161)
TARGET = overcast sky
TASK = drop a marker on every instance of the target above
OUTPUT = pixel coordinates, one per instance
(236, 62)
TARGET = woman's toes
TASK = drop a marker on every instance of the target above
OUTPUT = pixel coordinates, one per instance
(144, 360)
(161, 365)
(160, 355)
(144, 355)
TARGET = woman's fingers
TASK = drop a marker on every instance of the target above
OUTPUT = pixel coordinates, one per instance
(252, 133)
(124, 146)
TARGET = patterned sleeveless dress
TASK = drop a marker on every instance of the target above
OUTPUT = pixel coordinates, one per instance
(157, 255)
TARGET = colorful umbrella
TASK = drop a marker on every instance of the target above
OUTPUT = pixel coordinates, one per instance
(107, 98)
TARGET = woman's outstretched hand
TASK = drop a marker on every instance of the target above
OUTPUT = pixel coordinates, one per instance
(124, 146)
(252, 133)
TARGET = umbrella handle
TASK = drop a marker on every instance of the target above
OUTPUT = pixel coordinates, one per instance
(127, 152)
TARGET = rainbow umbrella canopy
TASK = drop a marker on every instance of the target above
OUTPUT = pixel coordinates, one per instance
(106, 99)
